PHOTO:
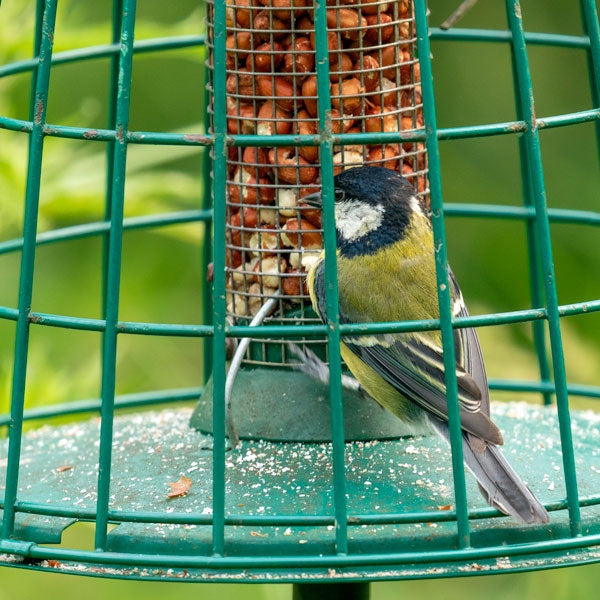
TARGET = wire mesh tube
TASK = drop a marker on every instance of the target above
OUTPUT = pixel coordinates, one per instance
(272, 101)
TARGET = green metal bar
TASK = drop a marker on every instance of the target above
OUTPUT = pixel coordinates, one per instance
(107, 135)
(331, 282)
(583, 116)
(573, 389)
(37, 43)
(453, 209)
(493, 35)
(219, 284)
(207, 246)
(113, 278)
(117, 23)
(178, 395)
(555, 215)
(187, 41)
(33, 551)
(39, 103)
(166, 139)
(592, 29)
(99, 227)
(93, 405)
(119, 516)
(107, 235)
(517, 316)
(104, 51)
(441, 267)
(535, 281)
(355, 520)
(298, 331)
(294, 330)
(448, 133)
(193, 139)
(533, 254)
(543, 228)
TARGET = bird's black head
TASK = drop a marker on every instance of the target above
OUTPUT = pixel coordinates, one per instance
(373, 207)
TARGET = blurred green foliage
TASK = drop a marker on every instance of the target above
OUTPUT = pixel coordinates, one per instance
(161, 266)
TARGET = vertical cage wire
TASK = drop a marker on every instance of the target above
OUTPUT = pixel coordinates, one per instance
(271, 98)
(443, 288)
(324, 104)
(38, 104)
(524, 91)
(112, 280)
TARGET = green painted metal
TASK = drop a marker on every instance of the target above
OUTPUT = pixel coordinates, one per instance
(300, 331)
(93, 405)
(531, 37)
(533, 255)
(289, 524)
(557, 215)
(335, 533)
(113, 270)
(187, 41)
(39, 100)
(219, 295)
(536, 172)
(117, 12)
(117, 24)
(193, 139)
(441, 268)
(207, 247)
(331, 287)
(258, 394)
(104, 51)
(100, 227)
(592, 28)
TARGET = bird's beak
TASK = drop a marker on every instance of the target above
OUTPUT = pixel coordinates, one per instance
(314, 200)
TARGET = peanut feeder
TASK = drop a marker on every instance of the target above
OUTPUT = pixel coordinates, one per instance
(272, 89)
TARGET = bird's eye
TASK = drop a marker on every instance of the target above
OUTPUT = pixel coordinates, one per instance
(339, 195)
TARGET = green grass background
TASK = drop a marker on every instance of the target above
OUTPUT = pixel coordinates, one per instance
(161, 267)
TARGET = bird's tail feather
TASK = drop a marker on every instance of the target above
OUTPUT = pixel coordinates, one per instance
(499, 483)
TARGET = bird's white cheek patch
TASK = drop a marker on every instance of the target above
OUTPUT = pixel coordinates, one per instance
(415, 206)
(355, 219)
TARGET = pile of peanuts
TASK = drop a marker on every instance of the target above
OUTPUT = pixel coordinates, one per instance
(272, 237)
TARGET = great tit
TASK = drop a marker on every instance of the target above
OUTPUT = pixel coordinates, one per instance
(386, 272)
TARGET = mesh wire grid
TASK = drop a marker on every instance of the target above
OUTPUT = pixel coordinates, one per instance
(271, 88)
(220, 140)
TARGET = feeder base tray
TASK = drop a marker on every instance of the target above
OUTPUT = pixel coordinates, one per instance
(265, 478)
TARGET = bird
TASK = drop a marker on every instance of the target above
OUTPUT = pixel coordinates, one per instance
(386, 272)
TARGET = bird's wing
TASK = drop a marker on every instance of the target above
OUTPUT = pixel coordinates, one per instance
(414, 365)
(466, 346)
(498, 482)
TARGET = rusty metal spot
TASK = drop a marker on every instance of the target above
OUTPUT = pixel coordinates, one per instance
(39, 111)
(197, 138)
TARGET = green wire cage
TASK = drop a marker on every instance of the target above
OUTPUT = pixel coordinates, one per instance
(324, 487)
